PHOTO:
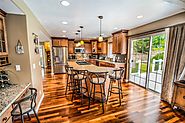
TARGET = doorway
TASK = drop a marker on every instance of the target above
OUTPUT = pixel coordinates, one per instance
(146, 61)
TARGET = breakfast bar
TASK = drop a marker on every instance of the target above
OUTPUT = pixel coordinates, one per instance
(93, 68)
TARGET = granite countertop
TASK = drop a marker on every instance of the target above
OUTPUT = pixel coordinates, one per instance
(9, 95)
(100, 61)
(90, 68)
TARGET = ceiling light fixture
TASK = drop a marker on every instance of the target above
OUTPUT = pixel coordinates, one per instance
(63, 36)
(65, 3)
(115, 28)
(64, 31)
(64, 22)
(100, 38)
(140, 16)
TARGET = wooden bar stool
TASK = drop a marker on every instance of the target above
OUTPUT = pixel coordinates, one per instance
(97, 78)
(25, 106)
(80, 76)
(116, 77)
(69, 82)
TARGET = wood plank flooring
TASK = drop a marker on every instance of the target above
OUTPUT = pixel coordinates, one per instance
(138, 106)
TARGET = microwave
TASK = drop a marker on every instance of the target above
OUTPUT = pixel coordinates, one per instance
(79, 50)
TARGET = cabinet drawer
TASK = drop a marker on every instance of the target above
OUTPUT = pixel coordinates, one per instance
(6, 117)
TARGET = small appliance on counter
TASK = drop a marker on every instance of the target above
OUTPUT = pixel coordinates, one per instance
(4, 80)
(121, 58)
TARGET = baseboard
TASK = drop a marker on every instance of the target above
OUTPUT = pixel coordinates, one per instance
(40, 102)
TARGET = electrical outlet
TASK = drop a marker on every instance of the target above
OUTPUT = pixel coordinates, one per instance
(18, 67)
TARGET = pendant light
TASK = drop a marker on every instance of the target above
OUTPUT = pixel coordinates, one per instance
(78, 44)
(81, 41)
(100, 38)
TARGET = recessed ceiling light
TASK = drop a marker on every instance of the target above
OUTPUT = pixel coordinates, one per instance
(140, 16)
(115, 28)
(65, 3)
(64, 31)
(64, 22)
(64, 36)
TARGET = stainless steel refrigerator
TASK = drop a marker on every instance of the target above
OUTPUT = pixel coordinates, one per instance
(60, 57)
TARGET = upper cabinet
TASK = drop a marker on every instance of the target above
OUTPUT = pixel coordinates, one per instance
(119, 43)
(88, 47)
(102, 47)
(71, 46)
(3, 38)
(4, 60)
(60, 42)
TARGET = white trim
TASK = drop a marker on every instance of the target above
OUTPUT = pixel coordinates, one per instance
(40, 102)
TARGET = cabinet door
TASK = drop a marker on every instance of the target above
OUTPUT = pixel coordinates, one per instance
(71, 47)
(124, 43)
(3, 38)
(56, 42)
(88, 48)
(104, 48)
(64, 42)
(115, 44)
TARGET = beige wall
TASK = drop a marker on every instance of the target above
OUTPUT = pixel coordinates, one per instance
(16, 30)
(33, 26)
(169, 21)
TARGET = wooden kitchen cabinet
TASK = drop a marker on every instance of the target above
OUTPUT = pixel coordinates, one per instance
(119, 43)
(60, 42)
(71, 46)
(106, 64)
(3, 35)
(88, 48)
(102, 47)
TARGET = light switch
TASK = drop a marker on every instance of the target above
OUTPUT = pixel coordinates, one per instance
(34, 66)
(17, 67)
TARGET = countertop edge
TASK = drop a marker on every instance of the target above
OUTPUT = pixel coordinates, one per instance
(3, 111)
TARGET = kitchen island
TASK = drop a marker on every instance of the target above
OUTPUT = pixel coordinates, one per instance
(93, 68)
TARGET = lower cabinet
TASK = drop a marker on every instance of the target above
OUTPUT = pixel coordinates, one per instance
(106, 64)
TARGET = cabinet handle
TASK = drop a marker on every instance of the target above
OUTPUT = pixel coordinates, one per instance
(5, 118)
(183, 97)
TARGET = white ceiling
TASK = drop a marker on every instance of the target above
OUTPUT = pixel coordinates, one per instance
(9, 7)
(117, 13)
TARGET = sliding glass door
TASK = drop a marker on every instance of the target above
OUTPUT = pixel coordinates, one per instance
(146, 61)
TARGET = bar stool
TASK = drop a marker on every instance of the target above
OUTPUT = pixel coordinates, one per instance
(25, 106)
(97, 78)
(69, 82)
(116, 77)
(80, 76)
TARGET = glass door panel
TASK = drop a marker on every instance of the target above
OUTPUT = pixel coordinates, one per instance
(139, 60)
(156, 62)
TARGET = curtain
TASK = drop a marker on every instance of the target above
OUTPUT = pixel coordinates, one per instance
(175, 61)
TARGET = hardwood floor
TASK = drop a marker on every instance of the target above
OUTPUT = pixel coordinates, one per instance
(138, 106)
